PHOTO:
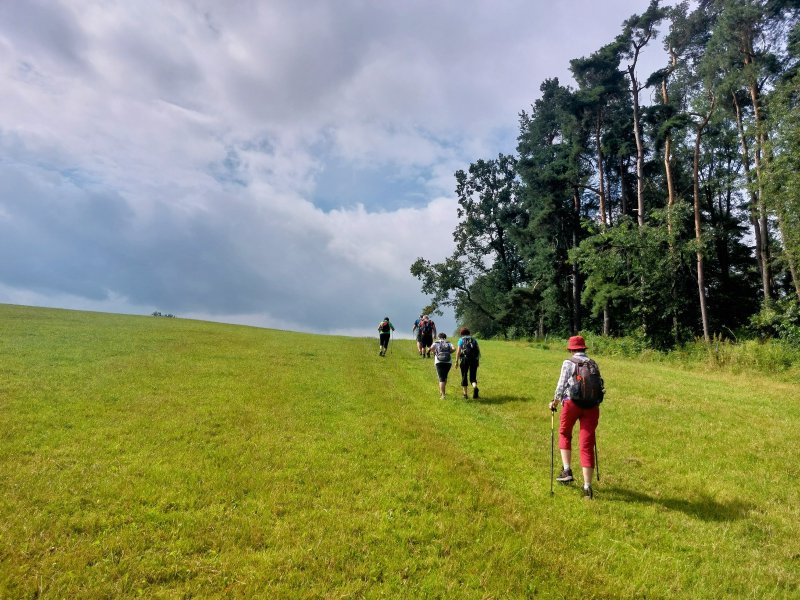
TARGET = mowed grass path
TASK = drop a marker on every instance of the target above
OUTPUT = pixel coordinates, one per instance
(172, 458)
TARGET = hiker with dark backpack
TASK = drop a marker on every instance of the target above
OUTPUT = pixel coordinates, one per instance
(580, 391)
(416, 329)
(385, 329)
(427, 331)
(443, 353)
(468, 357)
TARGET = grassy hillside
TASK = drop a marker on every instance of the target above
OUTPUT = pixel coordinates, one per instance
(172, 458)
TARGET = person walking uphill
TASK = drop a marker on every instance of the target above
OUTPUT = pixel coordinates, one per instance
(427, 331)
(468, 356)
(418, 333)
(580, 392)
(385, 329)
(443, 352)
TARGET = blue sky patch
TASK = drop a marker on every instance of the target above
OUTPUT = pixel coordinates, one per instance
(385, 188)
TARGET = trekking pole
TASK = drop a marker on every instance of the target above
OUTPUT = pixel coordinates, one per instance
(552, 441)
(596, 460)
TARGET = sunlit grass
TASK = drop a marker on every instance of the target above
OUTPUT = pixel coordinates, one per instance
(170, 458)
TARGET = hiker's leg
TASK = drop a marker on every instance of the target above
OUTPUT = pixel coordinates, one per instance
(473, 374)
(588, 473)
(569, 414)
(464, 374)
(589, 419)
(442, 369)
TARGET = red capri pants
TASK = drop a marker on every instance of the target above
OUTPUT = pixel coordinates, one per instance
(588, 418)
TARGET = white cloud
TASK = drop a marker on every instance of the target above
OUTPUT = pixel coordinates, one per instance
(387, 243)
(167, 155)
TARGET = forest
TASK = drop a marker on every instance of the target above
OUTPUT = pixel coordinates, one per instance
(660, 205)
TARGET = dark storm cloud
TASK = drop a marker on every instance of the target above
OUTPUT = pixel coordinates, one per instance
(69, 240)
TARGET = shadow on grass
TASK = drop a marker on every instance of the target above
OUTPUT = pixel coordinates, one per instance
(704, 508)
(499, 399)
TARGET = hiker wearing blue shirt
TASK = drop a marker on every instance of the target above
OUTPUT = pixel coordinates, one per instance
(385, 329)
(468, 356)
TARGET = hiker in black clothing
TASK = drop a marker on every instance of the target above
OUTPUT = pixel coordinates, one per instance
(427, 331)
(468, 356)
(385, 329)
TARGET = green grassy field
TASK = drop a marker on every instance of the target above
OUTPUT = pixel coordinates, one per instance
(170, 458)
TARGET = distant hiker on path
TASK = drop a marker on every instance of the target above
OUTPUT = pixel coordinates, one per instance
(468, 356)
(443, 352)
(415, 328)
(385, 329)
(427, 330)
(579, 391)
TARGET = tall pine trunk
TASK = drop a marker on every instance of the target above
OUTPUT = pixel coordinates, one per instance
(637, 134)
(793, 271)
(624, 204)
(763, 223)
(670, 203)
(601, 188)
(755, 222)
(668, 147)
(701, 284)
(602, 198)
(576, 283)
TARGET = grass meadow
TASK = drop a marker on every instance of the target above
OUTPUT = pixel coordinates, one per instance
(169, 458)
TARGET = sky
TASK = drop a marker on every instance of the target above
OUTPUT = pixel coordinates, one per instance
(276, 163)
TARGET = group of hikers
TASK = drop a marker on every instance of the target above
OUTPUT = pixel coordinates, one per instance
(467, 352)
(579, 390)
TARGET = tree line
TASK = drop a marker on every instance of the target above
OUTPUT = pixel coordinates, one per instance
(663, 205)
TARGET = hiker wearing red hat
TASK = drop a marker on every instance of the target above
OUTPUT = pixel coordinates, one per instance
(579, 391)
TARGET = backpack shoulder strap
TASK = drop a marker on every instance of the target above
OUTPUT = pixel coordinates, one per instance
(579, 362)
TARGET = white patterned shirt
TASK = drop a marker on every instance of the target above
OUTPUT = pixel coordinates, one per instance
(566, 379)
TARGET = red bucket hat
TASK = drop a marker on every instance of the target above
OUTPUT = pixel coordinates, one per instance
(576, 342)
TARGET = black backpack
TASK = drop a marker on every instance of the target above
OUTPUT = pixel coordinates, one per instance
(426, 327)
(588, 389)
(384, 327)
(469, 349)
